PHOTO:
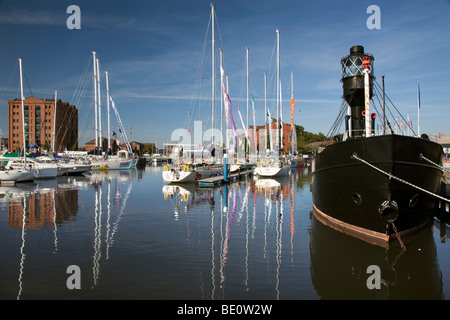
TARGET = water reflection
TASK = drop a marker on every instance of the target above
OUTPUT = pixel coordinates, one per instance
(48, 204)
(339, 267)
(248, 238)
(98, 180)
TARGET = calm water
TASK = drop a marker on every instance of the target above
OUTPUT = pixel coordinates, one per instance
(134, 237)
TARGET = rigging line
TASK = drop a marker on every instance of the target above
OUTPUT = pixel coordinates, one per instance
(34, 102)
(198, 81)
(387, 120)
(392, 115)
(391, 103)
(8, 85)
(82, 79)
(338, 122)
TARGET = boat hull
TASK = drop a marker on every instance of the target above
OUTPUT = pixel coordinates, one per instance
(297, 162)
(181, 175)
(272, 171)
(44, 172)
(19, 175)
(111, 164)
(358, 199)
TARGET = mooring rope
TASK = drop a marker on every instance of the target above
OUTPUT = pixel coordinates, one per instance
(421, 156)
(355, 156)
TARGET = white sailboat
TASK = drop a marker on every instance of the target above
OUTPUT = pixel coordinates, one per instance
(272, 165)
(19, 172)
(104, 162)
(187, 166)
(184, 167)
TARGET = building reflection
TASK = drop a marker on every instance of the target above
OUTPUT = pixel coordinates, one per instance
(48, 203)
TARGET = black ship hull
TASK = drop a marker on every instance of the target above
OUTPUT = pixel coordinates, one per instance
(353, 192)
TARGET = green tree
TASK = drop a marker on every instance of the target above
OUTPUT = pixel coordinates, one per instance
(304, 138)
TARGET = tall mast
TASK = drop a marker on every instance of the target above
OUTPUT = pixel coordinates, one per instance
(95, 97)
(221, 93)
(277, 144)
(107, 104)
(248, 142)
(292, 113)
(213, 73)
(246, 49)
(265, 109)
(293, 131)
(366, 67)
(384, 109)
(23, 114)
(54, 122)
(99, 109)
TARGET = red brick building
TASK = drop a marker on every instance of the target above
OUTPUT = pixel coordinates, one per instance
(260, 136)
(41, 125)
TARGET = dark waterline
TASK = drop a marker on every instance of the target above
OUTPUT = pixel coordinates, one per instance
(135, 237)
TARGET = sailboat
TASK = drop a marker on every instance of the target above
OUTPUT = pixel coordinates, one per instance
(19, 172)
(377, 188)
(272, 165)
(186, 166)
(104, 162)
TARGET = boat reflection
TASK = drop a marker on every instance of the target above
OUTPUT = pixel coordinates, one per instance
(49, 204)
(339, 267)
(239, 227)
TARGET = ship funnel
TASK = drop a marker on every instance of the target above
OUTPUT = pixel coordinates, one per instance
(353, 67)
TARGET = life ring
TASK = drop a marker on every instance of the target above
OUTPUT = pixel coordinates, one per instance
(166, 167)
(186, 168)
(363, 113)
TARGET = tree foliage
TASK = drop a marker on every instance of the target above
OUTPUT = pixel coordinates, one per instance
(304, 138)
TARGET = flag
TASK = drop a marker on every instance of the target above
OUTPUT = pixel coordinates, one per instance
(254, 128)
(233, 125)
(242, 121)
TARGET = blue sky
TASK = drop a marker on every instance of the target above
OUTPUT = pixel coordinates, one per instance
(158, 56)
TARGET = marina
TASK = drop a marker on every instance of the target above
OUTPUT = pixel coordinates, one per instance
(135, 237)
(216, 181)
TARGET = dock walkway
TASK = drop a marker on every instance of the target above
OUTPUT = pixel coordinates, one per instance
(219, 180)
